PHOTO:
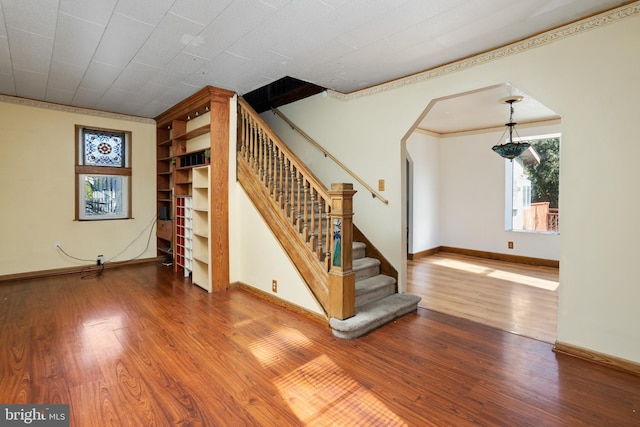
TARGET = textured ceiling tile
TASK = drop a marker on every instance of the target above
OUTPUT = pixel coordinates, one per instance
(30, 51)
(148, 92)
(141, 110)
(30, 84)
(146, 11)
(76, 40)
(3, 29)
(200, 78)
(278, 4)
(7, 85)
(112, 99)
(177, 93)
(241, 18)
(212, 41)
(65, 76)
(485, 26)
(325, 55)
(311, 71)
(5, 57)
(59, 96)
(86, 97)
(121, 40)
(199, 11)
(179, 68)
(36, 16)
(311, 27)
(222, 71)
(133, 76)
(170, 37)
(254, 83)
(271, 70)
(340, 44)
(99, 76)
(96, 11)
(386, 19)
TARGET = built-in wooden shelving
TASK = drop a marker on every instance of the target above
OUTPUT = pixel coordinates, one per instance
(193, 137)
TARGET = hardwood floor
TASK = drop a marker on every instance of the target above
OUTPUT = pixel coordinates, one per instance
(516, 298)
(139, 345)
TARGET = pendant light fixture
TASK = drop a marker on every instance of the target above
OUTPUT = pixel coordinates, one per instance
(511, 149)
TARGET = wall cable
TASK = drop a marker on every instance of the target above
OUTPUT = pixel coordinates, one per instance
(95, 272)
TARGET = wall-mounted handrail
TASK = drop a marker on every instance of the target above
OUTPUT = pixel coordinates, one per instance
(327, 154)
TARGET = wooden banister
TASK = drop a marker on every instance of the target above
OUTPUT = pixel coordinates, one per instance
(300, 210)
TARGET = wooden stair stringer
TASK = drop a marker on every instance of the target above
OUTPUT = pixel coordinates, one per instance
(310, 268)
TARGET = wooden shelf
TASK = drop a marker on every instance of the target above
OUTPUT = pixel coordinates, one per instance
(165, 250)
(203, 130)
(185, 171)
(201, 224)
(201, 258)
(202, 234)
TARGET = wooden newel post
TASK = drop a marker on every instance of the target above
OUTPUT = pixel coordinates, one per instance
(342, 279)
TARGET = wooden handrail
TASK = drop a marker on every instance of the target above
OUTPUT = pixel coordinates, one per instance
(300, 210)
(331, 156)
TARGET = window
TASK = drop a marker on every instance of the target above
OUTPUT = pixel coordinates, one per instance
(533, 187)
(103, 175)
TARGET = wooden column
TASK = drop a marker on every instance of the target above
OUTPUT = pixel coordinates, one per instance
(219, 185)
(342, 279)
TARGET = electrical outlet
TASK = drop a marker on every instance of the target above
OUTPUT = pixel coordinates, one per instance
(57, 245)
(100, 260)
(274, 285)
(510, 245)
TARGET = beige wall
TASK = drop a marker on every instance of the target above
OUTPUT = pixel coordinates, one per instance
(588, 75)
(256, 257)
(472, 197)
(38, 190)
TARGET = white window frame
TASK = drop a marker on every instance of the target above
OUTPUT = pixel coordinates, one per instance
(509, 189)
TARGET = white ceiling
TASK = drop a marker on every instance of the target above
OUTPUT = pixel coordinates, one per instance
(482, 109)
(140, 57)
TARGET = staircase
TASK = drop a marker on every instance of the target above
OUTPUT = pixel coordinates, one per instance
(377, 301)
(314, 226)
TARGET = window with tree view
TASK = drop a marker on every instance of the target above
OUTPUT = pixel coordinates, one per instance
(103, 175)
(532, 200)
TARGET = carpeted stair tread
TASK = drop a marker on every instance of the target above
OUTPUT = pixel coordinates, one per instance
(374, 315)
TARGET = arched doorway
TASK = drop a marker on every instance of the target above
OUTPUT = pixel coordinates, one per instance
(456, 216)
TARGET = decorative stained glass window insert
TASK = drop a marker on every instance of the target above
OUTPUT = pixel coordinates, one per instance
(102, 148)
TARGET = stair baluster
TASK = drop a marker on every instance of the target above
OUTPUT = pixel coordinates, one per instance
(299, 198)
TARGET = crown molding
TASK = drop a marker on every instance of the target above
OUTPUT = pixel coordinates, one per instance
(74, 110)
(542, 39)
